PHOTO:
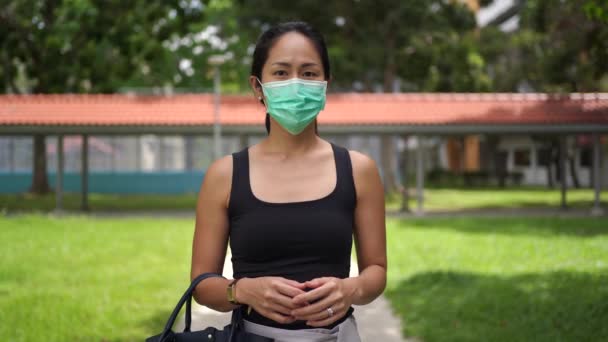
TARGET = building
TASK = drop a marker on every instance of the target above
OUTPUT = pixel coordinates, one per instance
(499, 134)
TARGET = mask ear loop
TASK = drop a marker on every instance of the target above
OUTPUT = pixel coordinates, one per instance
(261, 87)
(261, 98)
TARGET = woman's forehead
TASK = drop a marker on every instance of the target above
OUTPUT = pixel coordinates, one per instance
(293, 48)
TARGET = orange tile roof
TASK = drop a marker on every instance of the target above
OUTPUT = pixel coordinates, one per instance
(341, 109)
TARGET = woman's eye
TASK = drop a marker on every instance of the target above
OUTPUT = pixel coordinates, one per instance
(280, 73)
(310, 74)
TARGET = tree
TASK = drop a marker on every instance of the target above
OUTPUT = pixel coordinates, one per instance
(560, 46)
(374, 43)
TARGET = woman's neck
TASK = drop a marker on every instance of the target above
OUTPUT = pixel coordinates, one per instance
(282, 142)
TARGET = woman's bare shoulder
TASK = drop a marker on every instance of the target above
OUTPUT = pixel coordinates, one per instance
(217, 181)
(220, 169)
(365, 174)
(362, 163)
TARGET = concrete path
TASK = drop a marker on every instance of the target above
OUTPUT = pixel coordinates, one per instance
(375, 321)
(503, 212)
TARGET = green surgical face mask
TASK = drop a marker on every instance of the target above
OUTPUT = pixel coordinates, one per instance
(294, 103)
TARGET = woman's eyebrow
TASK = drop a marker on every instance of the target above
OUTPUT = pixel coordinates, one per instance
(282, 64)
(286, 64)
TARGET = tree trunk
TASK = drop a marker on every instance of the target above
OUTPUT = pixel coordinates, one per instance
(490, 155)
(573, 172)
(550, 183)
(405, 196)
(501, 168)
(559, 178)
(554, 177)
(40, 183)
(389, 75)
(388, 157)
(390, 67)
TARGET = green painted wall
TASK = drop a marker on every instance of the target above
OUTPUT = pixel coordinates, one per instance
(169, 182)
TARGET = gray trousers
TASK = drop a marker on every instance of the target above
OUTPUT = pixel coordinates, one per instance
(344, 332)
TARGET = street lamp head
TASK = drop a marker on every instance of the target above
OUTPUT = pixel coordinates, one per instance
(216, 60)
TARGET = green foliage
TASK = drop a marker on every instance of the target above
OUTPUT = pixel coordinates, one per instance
(558, 48)
(88, 45)
(109, 46)
(597, 10)
(372, 43)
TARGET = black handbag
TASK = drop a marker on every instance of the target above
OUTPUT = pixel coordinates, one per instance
(232, 332)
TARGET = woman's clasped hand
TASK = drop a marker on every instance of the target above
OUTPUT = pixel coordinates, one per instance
(320, 302)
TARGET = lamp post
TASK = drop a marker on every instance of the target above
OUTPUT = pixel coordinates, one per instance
(216, 61)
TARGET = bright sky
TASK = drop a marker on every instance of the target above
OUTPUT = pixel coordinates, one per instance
(490, 12)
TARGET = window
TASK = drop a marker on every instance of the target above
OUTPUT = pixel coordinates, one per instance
(521, 157)
(586, 157)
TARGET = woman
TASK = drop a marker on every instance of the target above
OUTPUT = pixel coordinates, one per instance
(290, 206)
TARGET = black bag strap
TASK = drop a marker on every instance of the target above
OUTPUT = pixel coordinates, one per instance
(186, 299)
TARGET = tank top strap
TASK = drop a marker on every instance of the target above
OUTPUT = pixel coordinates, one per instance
(344, 173)
(239, 191)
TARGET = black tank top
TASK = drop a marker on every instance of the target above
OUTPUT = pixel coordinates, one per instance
(295, 240)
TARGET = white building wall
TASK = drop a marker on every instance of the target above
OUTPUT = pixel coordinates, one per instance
(537, 175)
(443, 156)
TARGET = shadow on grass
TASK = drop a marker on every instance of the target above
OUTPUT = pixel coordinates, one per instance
(519, 204)
(151, 326)
(455, 306)
(27, 202)
(473, 199)
(537, 226)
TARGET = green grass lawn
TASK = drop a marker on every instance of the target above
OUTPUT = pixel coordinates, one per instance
(459, 279)
(500, 279)
(435, 199)
(84, 279)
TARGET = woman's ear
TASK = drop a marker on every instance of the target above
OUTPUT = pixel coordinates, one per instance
(256, 87)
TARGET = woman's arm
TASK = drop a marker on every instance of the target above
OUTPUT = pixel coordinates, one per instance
(370, 230)
(211, 235)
